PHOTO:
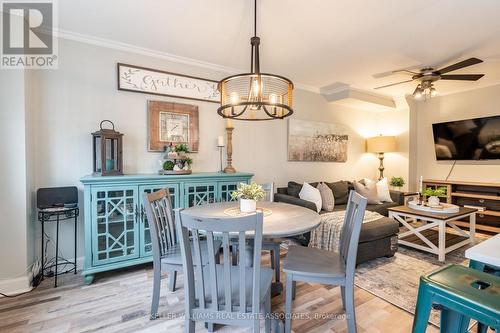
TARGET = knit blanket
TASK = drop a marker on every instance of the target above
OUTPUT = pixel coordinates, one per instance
(327, 235)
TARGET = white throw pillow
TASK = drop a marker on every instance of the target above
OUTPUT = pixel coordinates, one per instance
(382, 190)
(312, 194)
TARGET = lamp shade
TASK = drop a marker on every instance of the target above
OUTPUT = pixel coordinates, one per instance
(381, 144)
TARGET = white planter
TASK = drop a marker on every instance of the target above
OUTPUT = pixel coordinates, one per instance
(433, 201)
(248, 205)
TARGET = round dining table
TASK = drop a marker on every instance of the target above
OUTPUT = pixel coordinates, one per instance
(280, 220)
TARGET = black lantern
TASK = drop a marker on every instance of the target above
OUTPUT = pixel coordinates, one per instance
(107, 145)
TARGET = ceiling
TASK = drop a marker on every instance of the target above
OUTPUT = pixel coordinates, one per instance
(315, 43)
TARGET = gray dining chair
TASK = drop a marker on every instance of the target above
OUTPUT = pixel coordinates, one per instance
(224, 293)
(314, 265)
(166, 247)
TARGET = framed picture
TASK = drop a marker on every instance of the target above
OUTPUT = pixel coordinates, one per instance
(157, 82)
(172, 123)
(312, 141)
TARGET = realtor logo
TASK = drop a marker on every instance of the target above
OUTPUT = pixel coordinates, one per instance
(28, 39)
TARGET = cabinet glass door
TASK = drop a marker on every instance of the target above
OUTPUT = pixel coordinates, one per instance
(225, 190)
(115, 234)
(196, 194)
(145, 243)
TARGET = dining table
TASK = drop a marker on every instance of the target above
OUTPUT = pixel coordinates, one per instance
(281, 220)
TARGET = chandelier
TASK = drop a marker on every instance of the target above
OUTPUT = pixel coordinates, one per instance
(255, 95)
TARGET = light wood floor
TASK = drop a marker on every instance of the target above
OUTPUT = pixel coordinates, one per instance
(119, 301)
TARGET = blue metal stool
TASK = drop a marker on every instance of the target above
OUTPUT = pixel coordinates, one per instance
(463, 293)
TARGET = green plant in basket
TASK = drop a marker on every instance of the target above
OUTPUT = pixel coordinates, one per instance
(251, 191)
(181, 148)
(437, 192)
(168, 165)
(397, 182)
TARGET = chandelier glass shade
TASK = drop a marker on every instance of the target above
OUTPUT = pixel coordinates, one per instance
(255, 95)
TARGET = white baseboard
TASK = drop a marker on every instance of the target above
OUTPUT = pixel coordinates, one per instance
(16, 285)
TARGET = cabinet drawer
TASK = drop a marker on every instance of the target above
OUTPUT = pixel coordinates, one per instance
(487, 220)
(488, 204)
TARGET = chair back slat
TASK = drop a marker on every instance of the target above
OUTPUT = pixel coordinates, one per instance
(158, 207)
(199, 268)
(235, 301)
(351, 229)
(227, 278)
(257, 249)
(213, 272)
(242, 263)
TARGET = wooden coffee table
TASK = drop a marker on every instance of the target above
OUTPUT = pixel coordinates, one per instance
(431, 235)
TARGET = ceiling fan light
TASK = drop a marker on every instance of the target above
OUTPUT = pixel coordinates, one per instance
(433, 92)
(418, 92)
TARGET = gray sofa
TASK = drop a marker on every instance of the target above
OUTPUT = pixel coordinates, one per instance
(377, 238)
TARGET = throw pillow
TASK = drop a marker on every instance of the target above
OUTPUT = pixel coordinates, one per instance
(383, 190)
(312, 194)
(327, 198)
(340, 191)
(368, 190)
(294, 189)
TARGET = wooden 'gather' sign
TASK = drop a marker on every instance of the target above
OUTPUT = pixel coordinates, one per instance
(157, 82)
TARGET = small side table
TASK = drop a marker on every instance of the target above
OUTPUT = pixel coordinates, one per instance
(409, 196)
(57, 214)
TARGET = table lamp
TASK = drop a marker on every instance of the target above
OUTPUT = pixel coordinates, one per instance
(380, 145)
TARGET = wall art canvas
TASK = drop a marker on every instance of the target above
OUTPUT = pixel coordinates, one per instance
(157, 82)
(172, 124)
(312, 141)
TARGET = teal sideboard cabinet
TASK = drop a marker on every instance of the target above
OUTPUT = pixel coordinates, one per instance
(116, 228)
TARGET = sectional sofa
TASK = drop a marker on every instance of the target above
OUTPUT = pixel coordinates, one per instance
(377, 239)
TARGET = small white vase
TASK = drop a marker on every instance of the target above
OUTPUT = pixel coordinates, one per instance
(248, 205)
(433, 201)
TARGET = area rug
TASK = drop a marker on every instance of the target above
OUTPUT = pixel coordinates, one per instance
(396, 279)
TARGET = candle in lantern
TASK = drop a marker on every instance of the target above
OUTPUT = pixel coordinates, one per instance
(420, 184)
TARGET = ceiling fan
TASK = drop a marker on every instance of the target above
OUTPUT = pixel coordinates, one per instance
(427, 76)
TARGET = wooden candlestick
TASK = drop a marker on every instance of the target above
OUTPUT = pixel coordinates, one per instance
(229, 168)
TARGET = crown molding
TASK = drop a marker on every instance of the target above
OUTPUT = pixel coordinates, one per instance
(113, 44)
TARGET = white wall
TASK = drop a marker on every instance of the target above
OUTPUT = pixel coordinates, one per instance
(472, 104)
(72, 100)
(13, 182)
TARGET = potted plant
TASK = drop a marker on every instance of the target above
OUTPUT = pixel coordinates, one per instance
(434, 194)
(248, 195)
(397, 182)
(187, 163)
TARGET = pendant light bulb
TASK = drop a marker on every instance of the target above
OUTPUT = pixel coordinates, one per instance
(234, 98)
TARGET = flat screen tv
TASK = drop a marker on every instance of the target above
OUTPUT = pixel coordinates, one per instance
(470, 139)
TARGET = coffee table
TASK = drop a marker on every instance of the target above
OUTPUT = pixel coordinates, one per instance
(425, 237)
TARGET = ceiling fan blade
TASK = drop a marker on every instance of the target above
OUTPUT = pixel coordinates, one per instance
(463, 77)
(461, 64)
(405, 71)
(393, 84)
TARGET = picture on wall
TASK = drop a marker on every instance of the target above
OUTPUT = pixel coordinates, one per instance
(157, 82)
(172, 124)
(312, 141)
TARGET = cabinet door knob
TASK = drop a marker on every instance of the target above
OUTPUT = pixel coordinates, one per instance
(481, 200)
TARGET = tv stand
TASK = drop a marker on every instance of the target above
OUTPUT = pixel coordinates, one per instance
(481, 195)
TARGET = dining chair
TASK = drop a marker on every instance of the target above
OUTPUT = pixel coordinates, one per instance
(224, 293)
(314, 265)
(269, 189)
(166, 247)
